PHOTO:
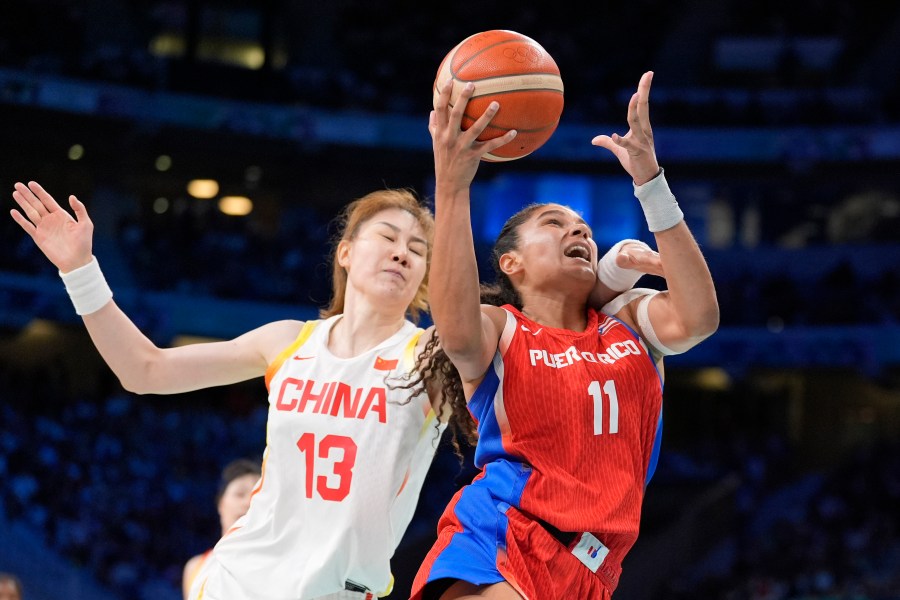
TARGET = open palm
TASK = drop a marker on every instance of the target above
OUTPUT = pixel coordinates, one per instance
(635, 150)
(64, 240)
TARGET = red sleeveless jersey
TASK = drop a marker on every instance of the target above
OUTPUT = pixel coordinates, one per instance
(583, 410)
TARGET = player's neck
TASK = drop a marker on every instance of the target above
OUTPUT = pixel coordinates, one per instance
(559, 312)
(354, 333)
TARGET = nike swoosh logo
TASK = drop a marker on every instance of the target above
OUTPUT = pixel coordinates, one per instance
(303, 357)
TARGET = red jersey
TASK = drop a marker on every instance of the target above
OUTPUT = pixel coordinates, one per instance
(584, 411)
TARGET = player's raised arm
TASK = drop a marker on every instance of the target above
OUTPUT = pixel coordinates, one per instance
(688, 311)
(468, 332)
(140, 365)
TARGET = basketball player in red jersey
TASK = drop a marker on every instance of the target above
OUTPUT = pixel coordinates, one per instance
(568, 400)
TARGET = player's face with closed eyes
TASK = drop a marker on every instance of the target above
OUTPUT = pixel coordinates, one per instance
(387, 256)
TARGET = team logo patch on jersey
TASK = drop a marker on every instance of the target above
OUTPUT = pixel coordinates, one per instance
(384, 365)
(590, 551)
(607, 324)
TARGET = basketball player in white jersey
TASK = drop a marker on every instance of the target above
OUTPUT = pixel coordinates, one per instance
(348, 442)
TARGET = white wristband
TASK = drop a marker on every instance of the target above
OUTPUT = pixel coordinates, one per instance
(612, 275)
(87, 287)
(659, 204)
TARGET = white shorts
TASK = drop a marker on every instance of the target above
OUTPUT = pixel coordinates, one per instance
(214, 582)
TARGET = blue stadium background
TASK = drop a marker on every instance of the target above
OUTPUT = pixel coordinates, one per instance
(778, 124)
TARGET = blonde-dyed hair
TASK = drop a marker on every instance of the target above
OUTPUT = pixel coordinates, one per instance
(358, 212)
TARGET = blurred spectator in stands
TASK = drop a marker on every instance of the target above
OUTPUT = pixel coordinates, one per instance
(232, 501)
(10, 587)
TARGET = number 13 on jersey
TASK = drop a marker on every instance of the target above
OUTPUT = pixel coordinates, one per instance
(598, 392)
(337, 454)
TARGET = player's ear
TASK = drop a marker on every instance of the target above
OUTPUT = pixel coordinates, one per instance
(342, 253)
(510, 263)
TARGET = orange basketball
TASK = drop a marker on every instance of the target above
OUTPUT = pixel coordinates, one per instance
(517, 72)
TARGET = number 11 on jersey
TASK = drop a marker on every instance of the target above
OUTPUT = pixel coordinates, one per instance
(597, 392)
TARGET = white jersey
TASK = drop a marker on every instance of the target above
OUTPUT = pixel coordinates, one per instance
(345, 460)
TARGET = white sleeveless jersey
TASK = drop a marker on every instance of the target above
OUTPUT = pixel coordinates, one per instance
(345, 460)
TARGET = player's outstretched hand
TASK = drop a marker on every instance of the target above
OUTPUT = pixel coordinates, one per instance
(635, 149)
(65, 240)
(458, 153)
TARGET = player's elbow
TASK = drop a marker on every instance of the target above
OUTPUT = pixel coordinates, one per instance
(457, 347)
(468, 359)
(134, 385)
(703, 323)
(140, 378)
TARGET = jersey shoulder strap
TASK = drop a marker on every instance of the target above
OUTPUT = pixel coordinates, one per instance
(305, 332)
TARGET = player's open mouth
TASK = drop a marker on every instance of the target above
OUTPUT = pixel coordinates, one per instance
(578, 251)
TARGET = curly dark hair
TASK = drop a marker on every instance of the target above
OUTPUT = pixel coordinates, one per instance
(434, 367)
